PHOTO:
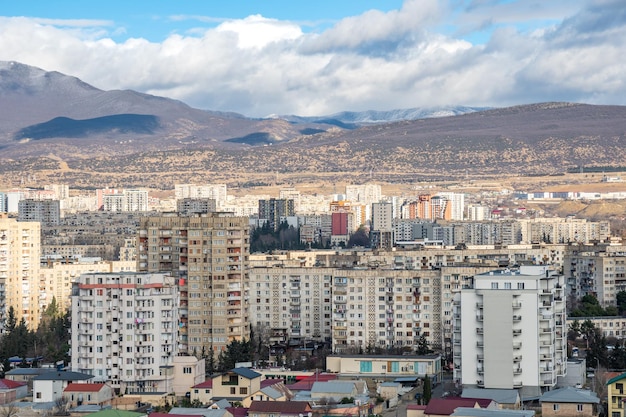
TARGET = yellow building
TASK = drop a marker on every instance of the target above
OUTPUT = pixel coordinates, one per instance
(616, 396)
(20, 248)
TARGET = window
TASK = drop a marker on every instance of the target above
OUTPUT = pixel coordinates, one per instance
(579, 407)
(187, 370)
(366, 366)
(233, 391)
(243, 391)
(507, 285)
(555, 407)
(494, 285)
(520, 285)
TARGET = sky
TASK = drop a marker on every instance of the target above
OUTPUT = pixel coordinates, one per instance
(263, 57)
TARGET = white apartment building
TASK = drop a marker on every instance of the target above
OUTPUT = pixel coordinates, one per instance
(510, 330)
(125, 329)
(293, 304)
(218, 192)
(366, 194)
(457, 204)
(20, 249)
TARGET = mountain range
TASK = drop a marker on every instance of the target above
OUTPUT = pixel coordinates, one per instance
(47, 117)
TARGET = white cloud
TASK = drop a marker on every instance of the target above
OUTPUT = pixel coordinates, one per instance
(258, 66)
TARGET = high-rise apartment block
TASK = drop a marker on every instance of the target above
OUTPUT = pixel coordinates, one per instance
(217, 192)
(127, 200)
(274, 210)
(124, 329)
(20, 250)
(510, 330)
(208, 256)
(47, 212)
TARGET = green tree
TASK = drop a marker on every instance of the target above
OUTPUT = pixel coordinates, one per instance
(621, 302)
(427, 391)
(422, 346)
(236, 351)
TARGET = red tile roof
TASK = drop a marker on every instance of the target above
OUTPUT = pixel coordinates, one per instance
(280, 407)
(238, 411)
(206, 384)
(8, 384)
(75, 387)
(270, 382)
(306, 384)
(446, 406)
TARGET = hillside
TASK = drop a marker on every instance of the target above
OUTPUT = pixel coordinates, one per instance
(56, 127)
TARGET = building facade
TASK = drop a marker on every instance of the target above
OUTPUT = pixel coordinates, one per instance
(125, 328)
(20, 250)
(208, 256)
(510, 330)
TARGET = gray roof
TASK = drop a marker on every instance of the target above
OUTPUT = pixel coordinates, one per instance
(570, 395)
(390, 384)
(271, 392)
(501, 396)
(207, 412)
(486, 412)
(29, 371)
(221, 404)
(246, 373)
(62, 376)
(335, 387)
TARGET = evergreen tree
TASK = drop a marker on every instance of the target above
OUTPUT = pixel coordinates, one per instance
(427, 392)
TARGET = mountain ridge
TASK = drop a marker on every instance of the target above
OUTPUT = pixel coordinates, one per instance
(176, 142)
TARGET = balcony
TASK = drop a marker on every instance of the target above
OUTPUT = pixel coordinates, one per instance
(517, 371)
(517, 318)
(517, 332)
(479, 330)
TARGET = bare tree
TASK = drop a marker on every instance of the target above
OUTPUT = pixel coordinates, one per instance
(9, 410)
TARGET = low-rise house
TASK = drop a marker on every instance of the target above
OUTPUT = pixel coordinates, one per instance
(26, 374)
(271, 390)
(387, 367)
(569, 402)
(279, 409)
(447, 406)
(188, 372)
(616, 396)
(202, 392)
(12, 390)
(49, 387)
(236, 385)
(504, 398)
(88, 394)
(389, 390)
(333, 390)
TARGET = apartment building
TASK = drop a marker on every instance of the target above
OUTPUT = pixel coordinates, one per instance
(47, 212)
(124, 329)
(57, 275)
(127, 201)
(292, 303)
(516, 319)
(19, 270)
(208, 255)
(275, 210)
(598, 270)
(217, 192)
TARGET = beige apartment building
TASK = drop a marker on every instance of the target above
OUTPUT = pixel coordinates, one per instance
(208, 255)
(19, 270)
(57, 275)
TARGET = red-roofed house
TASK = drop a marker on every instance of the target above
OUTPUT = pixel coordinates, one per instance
(12, 390)
(88, 394)
(202, 392)
(305, 384)
(446, 406)
(279, 408)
